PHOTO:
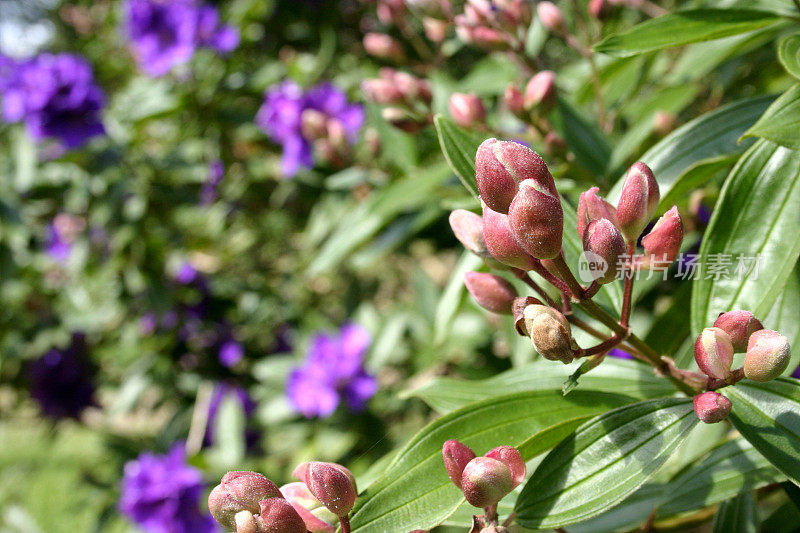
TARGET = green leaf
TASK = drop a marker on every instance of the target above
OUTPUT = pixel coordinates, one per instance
(766, 414)
(448, 303)
(783, 317)
(415, 492)
(702, 141)
(789, 54)
(603, 462)
(780, 122)
(737, 515)
(684, 27)
(459, 149)
(756, 219)
(733, 467)
(584, 138)
(614, 375)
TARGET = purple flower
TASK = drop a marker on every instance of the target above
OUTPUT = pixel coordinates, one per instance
(230, 353)
(61, 234)
(162, 494)
(620, 354)
(62, 380)
(796, 373)
(167, 33)
(186, 274)
(216, 171)
(280, 117)
(221, 391)
(333, 372)
(55, 95)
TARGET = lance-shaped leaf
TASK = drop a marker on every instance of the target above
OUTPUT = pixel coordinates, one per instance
(781, 121)
(603, 462)
(766, 414)
(789, 54)
(737, 515)
(415, 492)
(751, 244)
(459, 147)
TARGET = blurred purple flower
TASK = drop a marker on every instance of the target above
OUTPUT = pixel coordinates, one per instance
(167, 33)
(55, 95)
(620, 354)
(148, 324)
(280, 117)
(333, 372)
(796, 373)
(62, 380)
(162, 494)
(221, 391)
(186, 274)
(216, 171)
(57, 247)
(230, 353)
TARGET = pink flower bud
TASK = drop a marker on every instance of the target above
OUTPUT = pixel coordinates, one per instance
(467, 109)
(330, 483)
(468, 229)
(514, 100)
(480, 36)
(550, 332)
(713, 352)
(664, 122)
(239, 491)
(309, 507)
(603, 246)
(435, 29)
(767, 356)
(501, 243)
(739, 325)
(412, 87)
(402, 119)
(313, 124)
(637, 201)
(663, 243)
(485, 481)
(599, 9)
(592, 207)
(381, 91)
(493, 293)
(511, 457)
(384, 46)
(551, 16)
(278, 516)
(554, 145)
(711, 407)
(536, 220)
(540, 92)
(456, 456)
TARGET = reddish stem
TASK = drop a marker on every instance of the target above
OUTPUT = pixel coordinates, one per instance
(627, 295)
(345, 523)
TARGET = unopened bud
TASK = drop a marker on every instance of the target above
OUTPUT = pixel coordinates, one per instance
(537, 220)
(485, 481)
(662, 244)
(599, 9)
(278, 516)
(550, 333)
(713, 352)
(554, 145)
(664, 121)
(381, 91)
(711, 407)
(514, 100)
(247, 522)
(501, 243)
(602, 241)
(511, 457)
(384, 46)
(403, 119)
(550, 16)
(468, 229)
(313, 124)
(493, 293)
(593, 207)
(480, 36)
(739, 325)
(540, 92)
(767, 356)
(637, 201)
(412, 87)
(435, 29)
(330, 483)
(467, 109)
(456, 457)
(239, 491)
(309, 508)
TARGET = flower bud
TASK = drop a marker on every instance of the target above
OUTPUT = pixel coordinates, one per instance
(239, 491)
(435, 29)
(592, 207)
(308, 507)
(493, 293)
(511, 457)
(485, 481)
(381, 91)
(330, 483)
(599, 9)
(554, 145)
(384, 46)
(480, 36)
(456, 456)
(540, 92)
(402, 119)
(247, 522)
(412, 87)
(603, 244)
(663, 243)
(278, 516)
(767, 356)
(739, 325)
(536, 220)
(551, 16)
(501, 243)
(514, 100)
(468, 229)
(664, 121)
(637, 201)
(550, 333)
(711, 407)
(713, 352)
(467, 109)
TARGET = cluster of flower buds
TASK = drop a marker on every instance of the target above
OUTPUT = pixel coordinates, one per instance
(767, 355)
(467, 109)
(384, 46)
(483, 480)
(493, 24)
(538, 99)
(248, 502)
(408, 98)
(328, 135)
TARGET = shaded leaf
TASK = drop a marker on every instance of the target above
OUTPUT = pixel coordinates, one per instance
(781, 121)
(459, 149)
(585, 140)
(789, 54)
(737, 515)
